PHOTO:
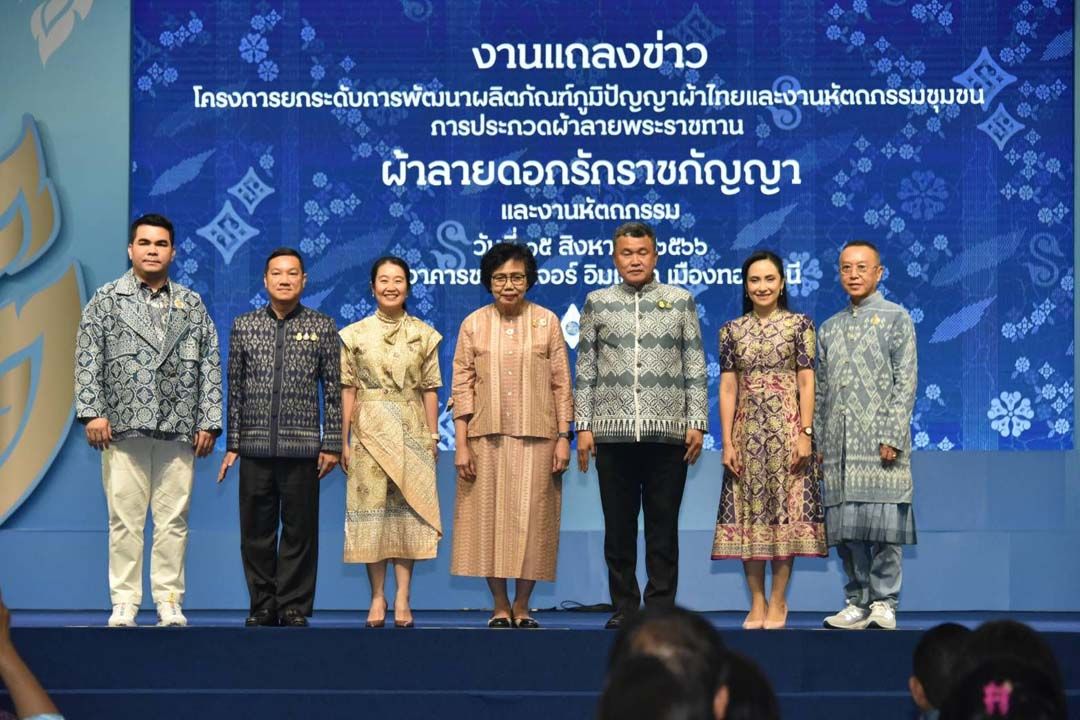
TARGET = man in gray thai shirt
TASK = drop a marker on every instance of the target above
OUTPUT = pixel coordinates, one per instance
(641, 408)
(866, 382)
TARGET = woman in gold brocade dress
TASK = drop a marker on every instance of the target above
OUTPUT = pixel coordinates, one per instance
(770, 504)
(389, 378)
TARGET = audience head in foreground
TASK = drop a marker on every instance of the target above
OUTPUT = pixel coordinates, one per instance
(750, 694)
(1005, 688)
(687, 645)
(934, 665)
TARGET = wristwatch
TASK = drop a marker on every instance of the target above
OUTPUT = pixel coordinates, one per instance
(568, 435)
(808, 431)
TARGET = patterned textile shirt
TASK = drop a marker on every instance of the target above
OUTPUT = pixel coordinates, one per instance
(640, 365)
(146, 383)
(157, 306)
(276, 367)
(865, 390)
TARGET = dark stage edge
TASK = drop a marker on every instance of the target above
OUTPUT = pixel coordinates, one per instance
(451, 666)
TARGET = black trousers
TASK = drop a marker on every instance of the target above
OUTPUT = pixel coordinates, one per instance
(633, 475)
(280, 576)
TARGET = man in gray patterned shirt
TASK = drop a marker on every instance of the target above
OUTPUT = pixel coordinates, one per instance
(867, 374)
(641, 408)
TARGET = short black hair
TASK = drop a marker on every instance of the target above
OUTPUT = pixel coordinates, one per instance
(642, 687)
(393, 260)
(935, 658)
(283, 251)
(502, 253)
(154, 220)
(781, 300)
(671, 633)
(750, 695)
(862, 243)
(684, 641)
(636, 230)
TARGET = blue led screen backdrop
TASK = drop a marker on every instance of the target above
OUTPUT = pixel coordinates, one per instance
(942, 132)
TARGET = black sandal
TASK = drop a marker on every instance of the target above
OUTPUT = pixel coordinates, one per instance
(526, 623)
(499, 623)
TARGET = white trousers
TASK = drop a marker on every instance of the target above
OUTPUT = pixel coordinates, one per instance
(140, 473)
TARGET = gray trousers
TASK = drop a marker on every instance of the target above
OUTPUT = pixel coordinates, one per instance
(874, 572)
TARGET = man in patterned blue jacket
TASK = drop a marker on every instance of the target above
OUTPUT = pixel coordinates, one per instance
(148, 390)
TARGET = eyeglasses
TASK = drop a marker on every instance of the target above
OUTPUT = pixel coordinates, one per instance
(860, 269)
(513, 278)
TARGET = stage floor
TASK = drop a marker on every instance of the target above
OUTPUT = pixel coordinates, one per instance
(550, 620)
(452, 666)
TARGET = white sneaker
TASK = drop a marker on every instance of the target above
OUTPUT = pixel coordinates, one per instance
(851, 617)
(123, 615)
(882, 616)
(169, 615)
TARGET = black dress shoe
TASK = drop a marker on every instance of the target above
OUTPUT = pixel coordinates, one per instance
(261, 618)
(615, 621)
(293, 618)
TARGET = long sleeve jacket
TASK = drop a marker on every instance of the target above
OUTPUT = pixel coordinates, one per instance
(512, 374)
(161, 384)
(640, 365)
(865, 387)
(276, 368)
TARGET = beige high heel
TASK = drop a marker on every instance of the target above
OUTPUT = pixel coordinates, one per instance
(776, 625)
(749, 624)
(379, 623)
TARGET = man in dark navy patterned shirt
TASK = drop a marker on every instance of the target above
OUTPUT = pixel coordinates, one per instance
(279, 356)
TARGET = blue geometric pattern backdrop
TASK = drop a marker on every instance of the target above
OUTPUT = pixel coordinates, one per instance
(941, 131)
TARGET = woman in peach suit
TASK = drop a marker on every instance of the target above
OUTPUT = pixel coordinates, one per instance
(512, 411)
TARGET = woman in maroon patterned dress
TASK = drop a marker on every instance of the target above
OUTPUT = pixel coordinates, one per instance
(770, 505)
